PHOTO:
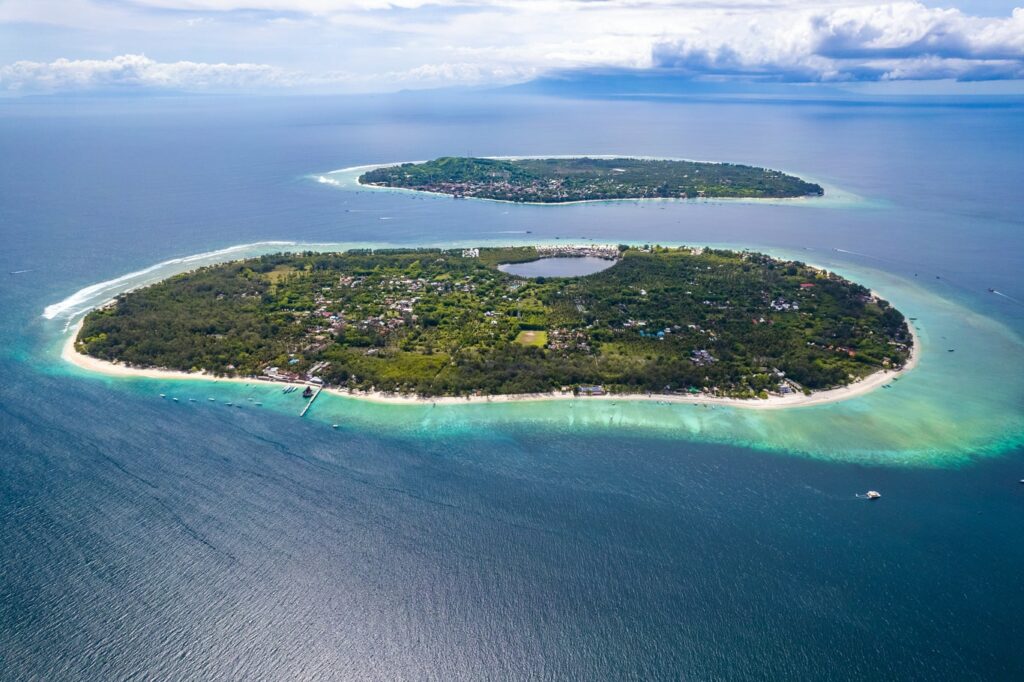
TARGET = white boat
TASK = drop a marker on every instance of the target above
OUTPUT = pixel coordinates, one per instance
(873, 495)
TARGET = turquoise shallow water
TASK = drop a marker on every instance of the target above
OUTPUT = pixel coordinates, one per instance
(141, 538)
(952, 407)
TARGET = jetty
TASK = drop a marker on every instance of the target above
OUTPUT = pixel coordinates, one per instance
(310, 403)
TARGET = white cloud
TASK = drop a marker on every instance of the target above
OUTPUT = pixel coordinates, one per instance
(388, 44)
(132, 71)
(461, 73)
(877, 42)
(138, 71)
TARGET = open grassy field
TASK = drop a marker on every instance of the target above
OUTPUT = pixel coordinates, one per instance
(532, 338)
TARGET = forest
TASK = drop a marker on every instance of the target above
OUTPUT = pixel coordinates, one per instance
(560, 180)
(438, 322)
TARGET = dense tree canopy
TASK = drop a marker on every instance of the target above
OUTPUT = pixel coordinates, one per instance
(579, 179)
(439, 322)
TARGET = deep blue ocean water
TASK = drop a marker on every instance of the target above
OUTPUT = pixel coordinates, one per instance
(141, 540)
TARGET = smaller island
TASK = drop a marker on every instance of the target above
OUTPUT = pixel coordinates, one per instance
(433, 323)
(566, 180)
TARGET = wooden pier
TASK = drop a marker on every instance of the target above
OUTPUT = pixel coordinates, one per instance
(310, 403)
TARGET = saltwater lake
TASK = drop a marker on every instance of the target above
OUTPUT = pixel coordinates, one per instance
(146, 538)
(558, 267)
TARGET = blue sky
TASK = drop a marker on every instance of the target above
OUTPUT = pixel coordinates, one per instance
(384, 45)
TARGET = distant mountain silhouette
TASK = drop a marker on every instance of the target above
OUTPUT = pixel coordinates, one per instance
(661, 83)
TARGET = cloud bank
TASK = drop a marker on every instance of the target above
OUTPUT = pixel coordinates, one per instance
(133, 71)
(139, 72)
(361, 45)
(901, 41)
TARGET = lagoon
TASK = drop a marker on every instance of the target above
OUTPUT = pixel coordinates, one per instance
(577, 266)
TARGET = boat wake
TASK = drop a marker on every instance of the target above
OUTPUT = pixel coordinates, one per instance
(1007, 297)
(872, 257)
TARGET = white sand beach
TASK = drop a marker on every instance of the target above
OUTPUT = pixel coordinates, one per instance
(773, 402)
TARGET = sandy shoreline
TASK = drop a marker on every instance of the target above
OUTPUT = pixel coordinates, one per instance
(373, 166)
(773, 402)
(692, 200)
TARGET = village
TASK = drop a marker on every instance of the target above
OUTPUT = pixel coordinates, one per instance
(450, 322)
(587, 179)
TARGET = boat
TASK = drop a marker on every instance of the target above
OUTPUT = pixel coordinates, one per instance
(191, 400)
(308, 393)
(162, 395)
(873, 495)
(229, 404)
(174, 399)
(259, 404)
(334, 426)
(212, 400)
(991, 290)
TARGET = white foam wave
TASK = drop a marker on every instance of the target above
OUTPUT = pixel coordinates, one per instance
(88, 297)
(370, 166)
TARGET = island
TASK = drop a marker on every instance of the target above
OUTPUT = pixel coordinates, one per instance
(659, 321)
(565, 180)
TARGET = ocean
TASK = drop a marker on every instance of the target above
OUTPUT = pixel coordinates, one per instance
(145, 538)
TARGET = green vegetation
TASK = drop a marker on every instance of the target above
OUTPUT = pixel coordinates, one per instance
(436, 322)
(580, 179)
(532, 338)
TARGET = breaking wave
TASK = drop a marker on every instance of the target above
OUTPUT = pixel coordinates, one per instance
(89, 297)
